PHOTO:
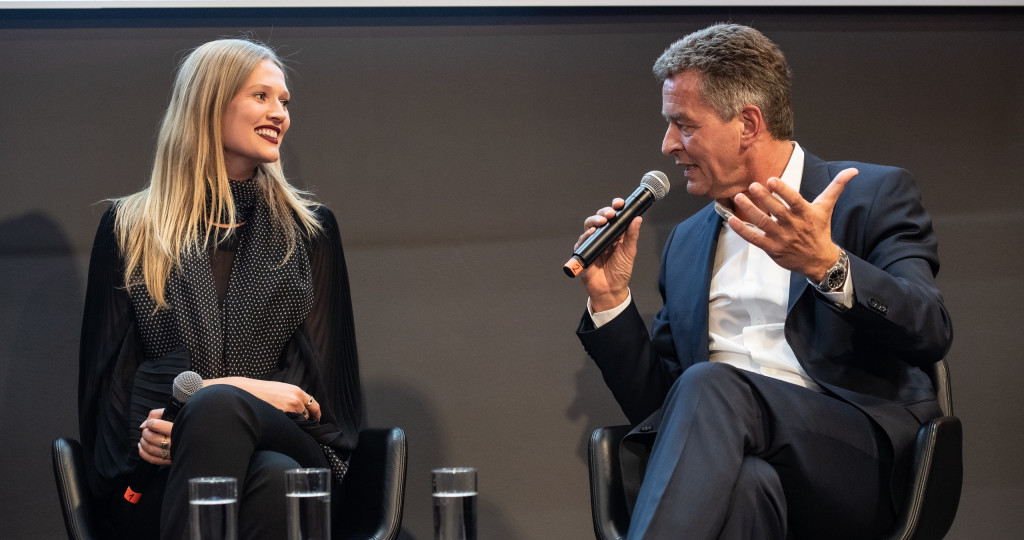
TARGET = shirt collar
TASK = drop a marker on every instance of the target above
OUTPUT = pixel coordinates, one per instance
(794, 172)
(791, 176)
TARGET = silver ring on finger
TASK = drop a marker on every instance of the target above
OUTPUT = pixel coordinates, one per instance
(163, 453)
(163, 444)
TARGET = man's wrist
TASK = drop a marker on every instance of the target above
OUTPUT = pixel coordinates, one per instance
(823, 265)
(600, 318)
(833, 279)
(605, 302)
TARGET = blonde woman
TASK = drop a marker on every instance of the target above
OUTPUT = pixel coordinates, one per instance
(221, 267)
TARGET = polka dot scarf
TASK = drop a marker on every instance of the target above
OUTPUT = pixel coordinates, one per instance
(267, 299)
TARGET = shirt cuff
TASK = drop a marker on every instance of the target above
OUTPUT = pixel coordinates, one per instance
(602, 318)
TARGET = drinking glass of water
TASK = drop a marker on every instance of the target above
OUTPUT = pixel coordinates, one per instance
(309, 503)
(213, 508)
(454, 503)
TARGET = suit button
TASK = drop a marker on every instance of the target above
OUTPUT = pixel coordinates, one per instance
(878, 306)
(645, 429)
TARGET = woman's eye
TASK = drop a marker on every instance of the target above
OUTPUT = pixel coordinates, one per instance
(260, 95)
(285, 102)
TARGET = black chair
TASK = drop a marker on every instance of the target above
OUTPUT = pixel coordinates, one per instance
(927, 513)
(371, 502)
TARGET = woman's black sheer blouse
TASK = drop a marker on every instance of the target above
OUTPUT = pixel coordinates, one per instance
(320, 358)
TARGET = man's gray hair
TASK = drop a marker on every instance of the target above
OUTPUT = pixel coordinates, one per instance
(739, 66)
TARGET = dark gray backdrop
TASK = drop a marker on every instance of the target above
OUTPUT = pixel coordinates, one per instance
(461, 150)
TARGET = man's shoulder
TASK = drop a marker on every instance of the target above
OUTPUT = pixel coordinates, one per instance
(872, 178)
(873, 170)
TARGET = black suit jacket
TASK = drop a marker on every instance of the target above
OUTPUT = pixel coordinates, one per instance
(867, 355)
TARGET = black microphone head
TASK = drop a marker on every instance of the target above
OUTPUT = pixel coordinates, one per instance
(657, 182)
(186, 384)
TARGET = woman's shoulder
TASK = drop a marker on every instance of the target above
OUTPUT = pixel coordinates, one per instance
(323, 214)
(106, 231)
(325, 218)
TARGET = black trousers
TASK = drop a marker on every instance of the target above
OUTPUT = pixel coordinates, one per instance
(224, 431)
(743, 456)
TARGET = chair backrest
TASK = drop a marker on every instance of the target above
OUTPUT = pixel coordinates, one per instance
(373, 493)
(81, 518)
(939, 374)
(609, 511)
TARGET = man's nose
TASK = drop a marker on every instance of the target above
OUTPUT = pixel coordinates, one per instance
(671, 142)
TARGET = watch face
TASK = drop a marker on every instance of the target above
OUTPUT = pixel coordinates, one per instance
(836, 278)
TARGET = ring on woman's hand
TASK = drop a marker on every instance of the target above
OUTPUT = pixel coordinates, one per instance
(163, 453)
(163, 444)
(310, 402)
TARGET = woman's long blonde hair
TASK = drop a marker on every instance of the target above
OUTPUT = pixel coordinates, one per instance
(172, 217)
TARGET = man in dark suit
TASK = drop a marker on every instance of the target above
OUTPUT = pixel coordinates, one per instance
(781, 376)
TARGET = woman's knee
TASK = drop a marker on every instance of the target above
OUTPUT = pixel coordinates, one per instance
(266, 470)
(216, 405)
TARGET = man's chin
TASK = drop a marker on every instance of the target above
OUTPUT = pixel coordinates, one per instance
(697, 189)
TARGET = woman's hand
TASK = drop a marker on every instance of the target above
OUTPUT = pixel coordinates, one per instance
(284, 396)
(155, 444)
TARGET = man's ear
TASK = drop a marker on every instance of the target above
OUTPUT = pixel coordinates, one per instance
(753, 124)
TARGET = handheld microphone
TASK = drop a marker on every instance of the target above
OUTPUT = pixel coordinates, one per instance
(185, 385)
(653, 186)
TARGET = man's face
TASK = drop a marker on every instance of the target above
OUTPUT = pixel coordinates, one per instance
(706, 146)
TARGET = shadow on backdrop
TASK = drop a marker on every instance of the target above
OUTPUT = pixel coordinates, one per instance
(41, 308)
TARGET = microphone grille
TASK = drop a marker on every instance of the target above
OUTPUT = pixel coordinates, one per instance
(657, 182)
(186, 384)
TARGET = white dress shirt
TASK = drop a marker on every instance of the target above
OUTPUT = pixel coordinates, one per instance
(748, 302)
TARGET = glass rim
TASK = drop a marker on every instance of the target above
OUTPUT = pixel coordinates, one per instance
(307, 470)
(453, 470)
(213, 479)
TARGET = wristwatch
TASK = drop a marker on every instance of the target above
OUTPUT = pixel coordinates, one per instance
(835, 277)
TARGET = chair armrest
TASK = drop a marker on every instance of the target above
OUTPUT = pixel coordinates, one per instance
(607, 498)
(937, 480)
(373, 492)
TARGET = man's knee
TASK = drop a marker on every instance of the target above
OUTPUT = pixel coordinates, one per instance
(758, 505)
(707, 378)
(708, 373)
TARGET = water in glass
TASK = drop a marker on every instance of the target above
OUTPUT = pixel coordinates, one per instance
(455, 516)
(309, 516)
(213, 519)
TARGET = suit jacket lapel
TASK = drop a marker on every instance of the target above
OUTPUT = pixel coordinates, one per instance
(703, 250)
